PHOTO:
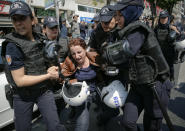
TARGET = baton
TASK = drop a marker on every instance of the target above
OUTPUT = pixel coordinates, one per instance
(165, 114)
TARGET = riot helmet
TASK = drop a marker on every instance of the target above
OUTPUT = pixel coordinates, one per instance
(114, 95)
(75, 94)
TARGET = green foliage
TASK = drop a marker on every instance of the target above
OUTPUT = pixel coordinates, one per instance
(101, 1)
(42, 13)
(95, 2)
(165, 4)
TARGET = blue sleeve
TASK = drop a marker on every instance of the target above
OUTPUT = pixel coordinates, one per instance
(14, 57)
(136, 40)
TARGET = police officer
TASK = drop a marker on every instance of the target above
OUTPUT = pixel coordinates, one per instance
(27, 73)
(60, 45)
(104, 29)
(50, 28)
(147, 66)
(102, 34)
(165, 35)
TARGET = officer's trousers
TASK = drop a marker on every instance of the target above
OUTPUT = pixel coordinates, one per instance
(142, 97)
(46, 104)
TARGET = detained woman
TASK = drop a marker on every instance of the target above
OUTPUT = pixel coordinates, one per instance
(81, 66)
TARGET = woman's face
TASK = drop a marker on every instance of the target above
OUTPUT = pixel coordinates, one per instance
(78, 54)
(120, 19)
(22, 24)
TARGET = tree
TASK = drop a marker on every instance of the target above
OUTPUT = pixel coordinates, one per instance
(108, 2)
(101, 1)
(164, 4)
(168, 4)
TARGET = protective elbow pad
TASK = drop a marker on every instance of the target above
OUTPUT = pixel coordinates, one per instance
(117, 53)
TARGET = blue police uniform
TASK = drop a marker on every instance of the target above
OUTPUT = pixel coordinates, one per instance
(141, 97)
(23, 108)
(139, 47)
(166, 42)
(98, 37)
(19, 52)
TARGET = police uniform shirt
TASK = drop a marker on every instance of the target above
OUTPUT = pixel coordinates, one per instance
(136, 40)
(14, 57)
(98, 36)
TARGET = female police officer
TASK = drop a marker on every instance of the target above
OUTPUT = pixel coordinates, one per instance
(147, 66)
(27, 73)
(164, 33)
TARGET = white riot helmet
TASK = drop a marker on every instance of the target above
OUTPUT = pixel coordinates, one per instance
(76, 93)
(114, 95)
(180, 45)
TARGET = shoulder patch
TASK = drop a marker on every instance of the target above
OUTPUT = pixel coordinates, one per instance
(8, 59)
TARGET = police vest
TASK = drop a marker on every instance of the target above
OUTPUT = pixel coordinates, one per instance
(34, 63)
(150, 47)
(162, 36)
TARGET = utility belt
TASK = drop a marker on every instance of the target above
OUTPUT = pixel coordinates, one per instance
(24, 92)
(27, 93)
(143, 70)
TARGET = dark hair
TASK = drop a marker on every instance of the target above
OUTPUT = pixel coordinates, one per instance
(77, 41)
(92, 26)
(172, 17)
(44, 26)
(31, 16)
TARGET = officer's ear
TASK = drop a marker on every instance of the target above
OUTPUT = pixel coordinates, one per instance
(32, 19)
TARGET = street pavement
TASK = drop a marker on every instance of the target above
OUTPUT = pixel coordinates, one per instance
(176, 109)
